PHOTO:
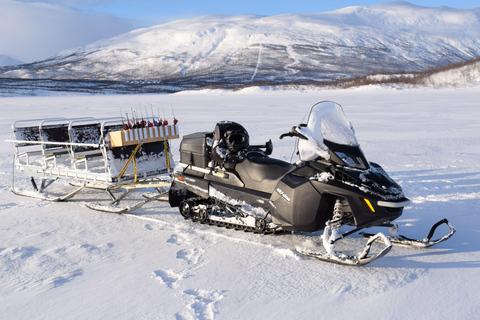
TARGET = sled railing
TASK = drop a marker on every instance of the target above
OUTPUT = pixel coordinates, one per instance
(90, 149)
(101, 154)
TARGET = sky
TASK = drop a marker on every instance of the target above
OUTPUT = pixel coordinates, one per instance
(32, 30)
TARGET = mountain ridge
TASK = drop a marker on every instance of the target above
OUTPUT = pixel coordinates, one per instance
(232, 50)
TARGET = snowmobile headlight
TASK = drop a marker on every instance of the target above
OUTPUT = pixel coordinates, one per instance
(368, 204)
(351, 161)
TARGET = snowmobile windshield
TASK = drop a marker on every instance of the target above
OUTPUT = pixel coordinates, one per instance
(327, 122)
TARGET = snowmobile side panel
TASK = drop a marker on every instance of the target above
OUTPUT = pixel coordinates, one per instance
(362, 213)
(229, 178)
(193, 172)
(250, 197)
(298, 206)
(198, 186)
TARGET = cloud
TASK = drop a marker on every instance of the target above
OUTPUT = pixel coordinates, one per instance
(74, 3)
(34, 31)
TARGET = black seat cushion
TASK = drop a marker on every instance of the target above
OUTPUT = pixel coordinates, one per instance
(260, 172)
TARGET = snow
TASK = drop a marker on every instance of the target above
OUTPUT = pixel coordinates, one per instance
(8, 61)
(63, 260)
(223, 50)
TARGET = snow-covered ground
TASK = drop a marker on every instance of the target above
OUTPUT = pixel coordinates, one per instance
(62, 260)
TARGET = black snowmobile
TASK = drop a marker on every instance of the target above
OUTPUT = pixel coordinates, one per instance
(225, 181)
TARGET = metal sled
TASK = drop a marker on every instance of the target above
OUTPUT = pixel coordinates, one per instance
(92, 153)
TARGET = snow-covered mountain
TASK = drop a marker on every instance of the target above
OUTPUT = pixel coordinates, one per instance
(8, 61)
(223, 50)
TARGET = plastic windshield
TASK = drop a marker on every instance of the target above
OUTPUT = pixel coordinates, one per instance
(326, 121)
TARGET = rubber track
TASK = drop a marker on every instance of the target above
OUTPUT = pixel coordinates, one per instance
(228, 225)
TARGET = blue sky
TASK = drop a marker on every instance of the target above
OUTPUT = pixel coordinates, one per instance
(33, 30)
(151, 12)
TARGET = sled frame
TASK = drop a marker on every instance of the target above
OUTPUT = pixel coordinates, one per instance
(80, 150)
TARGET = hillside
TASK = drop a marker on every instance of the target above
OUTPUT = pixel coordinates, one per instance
(249, 49)
(462, 75)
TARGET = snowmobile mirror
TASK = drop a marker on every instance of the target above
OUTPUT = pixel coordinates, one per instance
(268, 147)
(293, 133)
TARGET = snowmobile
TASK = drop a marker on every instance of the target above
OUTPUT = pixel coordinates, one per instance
(223, 180)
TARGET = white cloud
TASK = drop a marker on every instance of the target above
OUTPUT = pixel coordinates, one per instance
(74, 3)
(33, 31)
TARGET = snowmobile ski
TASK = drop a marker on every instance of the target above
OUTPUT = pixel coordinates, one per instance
(113, 208)
(402, 241)
(343, 259)
(39, 195)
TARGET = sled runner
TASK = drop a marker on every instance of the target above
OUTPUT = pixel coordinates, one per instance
(227, 182)
(100, 154)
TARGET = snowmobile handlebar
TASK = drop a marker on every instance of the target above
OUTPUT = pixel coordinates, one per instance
(293, 133)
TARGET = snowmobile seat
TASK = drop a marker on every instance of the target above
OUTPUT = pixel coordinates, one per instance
(259, 172)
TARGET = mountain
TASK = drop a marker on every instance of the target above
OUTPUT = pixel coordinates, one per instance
(234, 50)
(8, 61)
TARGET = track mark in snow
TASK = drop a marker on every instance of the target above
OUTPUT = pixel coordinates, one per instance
(31, 268)
(167, 277)
(173, 239)
(7, 205)
(178, 239)
(148, 227)
(341, 289)
(60, 281)
(202, 302)
(94, 252)
(191, 256)
(21, 253)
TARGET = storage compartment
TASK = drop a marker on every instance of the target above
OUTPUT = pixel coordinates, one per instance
(195, 150)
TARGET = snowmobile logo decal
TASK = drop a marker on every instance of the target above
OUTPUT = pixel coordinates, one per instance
(284, 196)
